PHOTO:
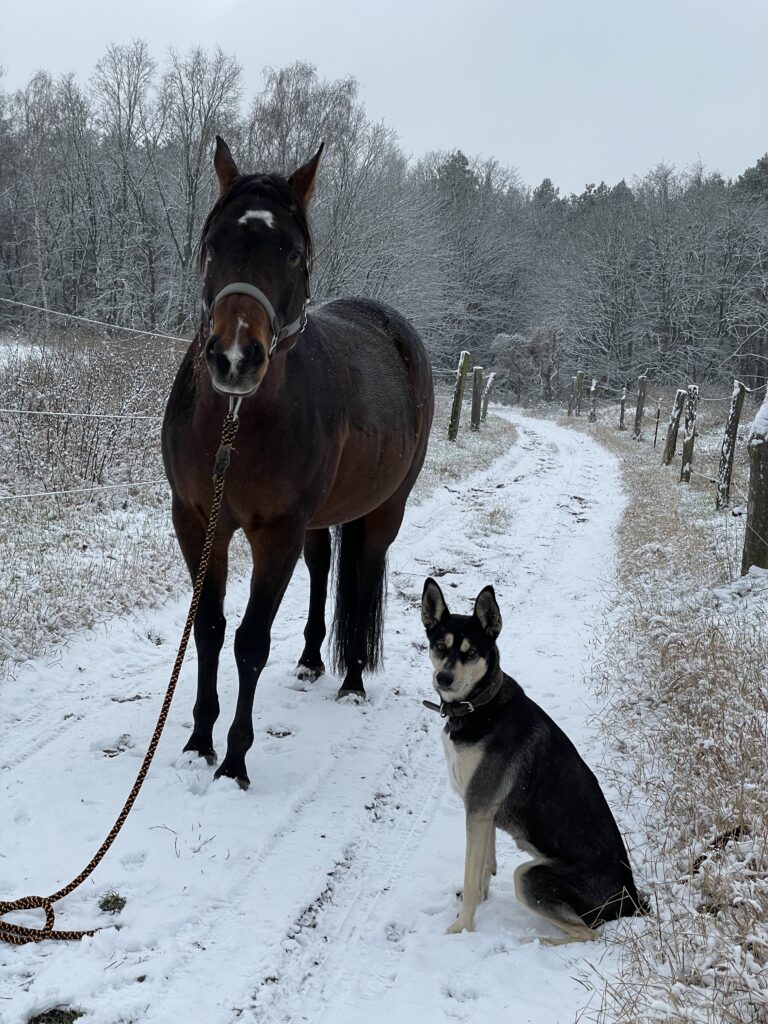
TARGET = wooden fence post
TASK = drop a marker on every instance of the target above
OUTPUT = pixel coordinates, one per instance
(622, 408)
(670, 445)
(658, 416)
(755, 543)
(691, 405)
(593, 401)
(642, 383)
(729, 445)
(579, 389)
(458, 396)
(486, 393)
(477, 398)
(572, 396)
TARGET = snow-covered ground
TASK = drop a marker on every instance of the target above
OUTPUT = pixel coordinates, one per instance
(11, 347)
(323, 893)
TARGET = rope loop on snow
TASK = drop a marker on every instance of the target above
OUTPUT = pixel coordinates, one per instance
(20, 935)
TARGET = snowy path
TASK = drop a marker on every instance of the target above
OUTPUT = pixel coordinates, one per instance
(323, 893)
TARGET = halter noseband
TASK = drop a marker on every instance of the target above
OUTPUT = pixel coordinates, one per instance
(243, 288)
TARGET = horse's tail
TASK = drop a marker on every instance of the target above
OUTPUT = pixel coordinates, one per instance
(348, 547)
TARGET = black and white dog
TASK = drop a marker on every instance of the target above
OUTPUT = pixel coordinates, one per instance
(516, 770)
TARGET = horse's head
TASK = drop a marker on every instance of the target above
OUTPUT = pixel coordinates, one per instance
(255, 256)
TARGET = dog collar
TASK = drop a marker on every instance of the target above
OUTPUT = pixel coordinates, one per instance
(462, 708)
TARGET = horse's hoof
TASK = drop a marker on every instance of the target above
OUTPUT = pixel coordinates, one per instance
(358, 696)
(309, 673)
(228, 772)
(201, 750)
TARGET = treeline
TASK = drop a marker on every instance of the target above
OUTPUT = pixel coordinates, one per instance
(104, 186)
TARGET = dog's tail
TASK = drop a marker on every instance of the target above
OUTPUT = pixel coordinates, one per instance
(348, 547)
(629, 902)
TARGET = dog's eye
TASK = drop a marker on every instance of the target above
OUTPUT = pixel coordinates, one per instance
(440, 647)
(472, 652)
(294, 257)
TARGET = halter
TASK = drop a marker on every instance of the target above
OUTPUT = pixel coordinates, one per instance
(243, 288)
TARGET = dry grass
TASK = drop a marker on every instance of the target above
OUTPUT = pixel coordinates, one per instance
(105, 546)
(449, 462)
(73, 560)
(686, 679)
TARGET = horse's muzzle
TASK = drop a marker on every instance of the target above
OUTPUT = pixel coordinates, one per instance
(235, 369)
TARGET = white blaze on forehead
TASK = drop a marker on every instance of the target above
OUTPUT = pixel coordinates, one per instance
(262, 215)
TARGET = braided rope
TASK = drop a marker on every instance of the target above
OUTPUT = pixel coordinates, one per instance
(19, 935)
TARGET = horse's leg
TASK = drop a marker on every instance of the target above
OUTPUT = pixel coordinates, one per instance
(317, 555)
(276, 550)
(210, 623)
(380, 527)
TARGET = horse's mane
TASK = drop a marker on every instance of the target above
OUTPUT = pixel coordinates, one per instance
(269, 186)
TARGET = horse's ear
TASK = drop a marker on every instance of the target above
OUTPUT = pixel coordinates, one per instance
(302, 181)
(224, 165)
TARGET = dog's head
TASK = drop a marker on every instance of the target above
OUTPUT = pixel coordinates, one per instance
(462, 647)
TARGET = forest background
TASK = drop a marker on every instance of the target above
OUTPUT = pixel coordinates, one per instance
(104, 185)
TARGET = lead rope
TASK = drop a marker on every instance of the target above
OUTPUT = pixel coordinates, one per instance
(19, 935)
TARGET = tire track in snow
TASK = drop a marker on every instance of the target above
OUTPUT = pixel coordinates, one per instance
(337, 958)
(333, 923)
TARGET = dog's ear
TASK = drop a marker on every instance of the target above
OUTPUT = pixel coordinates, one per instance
(433, 606)
(487, 612)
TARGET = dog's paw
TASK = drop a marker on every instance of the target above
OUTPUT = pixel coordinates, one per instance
(460, 925)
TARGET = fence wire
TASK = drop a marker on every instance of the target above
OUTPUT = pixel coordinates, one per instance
(97, 323)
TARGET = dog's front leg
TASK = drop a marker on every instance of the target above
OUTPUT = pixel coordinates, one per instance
(480, 836)
(490, 865)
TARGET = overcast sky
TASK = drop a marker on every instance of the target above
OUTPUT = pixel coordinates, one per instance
(576, 91)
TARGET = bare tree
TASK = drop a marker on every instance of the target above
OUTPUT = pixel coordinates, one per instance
(199, 96)
(544, 350)
(128, 122)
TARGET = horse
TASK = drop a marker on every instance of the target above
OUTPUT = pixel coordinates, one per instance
(337, 406)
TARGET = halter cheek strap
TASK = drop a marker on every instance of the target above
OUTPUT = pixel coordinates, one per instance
(243, 288)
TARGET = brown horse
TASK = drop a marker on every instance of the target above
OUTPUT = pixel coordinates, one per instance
(336, 413)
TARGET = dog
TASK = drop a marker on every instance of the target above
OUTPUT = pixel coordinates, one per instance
(516, 770)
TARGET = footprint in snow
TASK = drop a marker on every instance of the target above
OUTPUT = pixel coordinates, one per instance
(134, 861)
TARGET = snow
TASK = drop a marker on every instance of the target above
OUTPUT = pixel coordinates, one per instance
(323, 893)
(15, 348)
(760, 425)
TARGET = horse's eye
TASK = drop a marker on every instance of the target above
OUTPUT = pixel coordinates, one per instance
(294, 257)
